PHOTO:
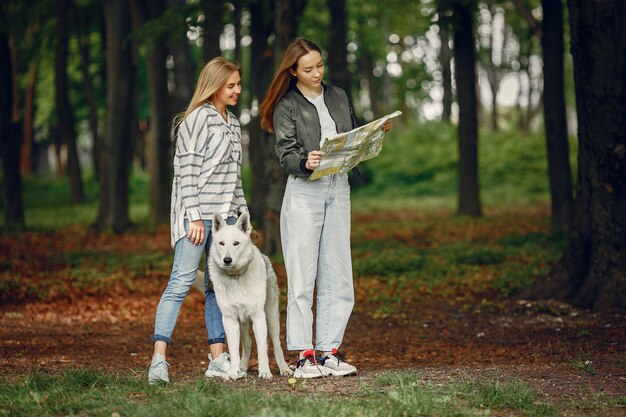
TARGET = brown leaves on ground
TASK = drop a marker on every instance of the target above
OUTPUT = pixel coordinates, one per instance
(57, 313)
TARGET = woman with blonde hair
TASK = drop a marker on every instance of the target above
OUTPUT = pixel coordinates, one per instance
(207, 181)
(315, 216)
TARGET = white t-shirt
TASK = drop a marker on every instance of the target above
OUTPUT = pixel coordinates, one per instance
(327, 124)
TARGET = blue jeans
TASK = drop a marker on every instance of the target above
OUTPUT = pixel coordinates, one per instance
(186, 260)
(315, 236)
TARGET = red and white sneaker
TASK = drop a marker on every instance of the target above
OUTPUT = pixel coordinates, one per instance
(308, 367)
(335, 363)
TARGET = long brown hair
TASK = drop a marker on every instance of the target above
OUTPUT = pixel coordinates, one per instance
(212, 77)
(283, 78)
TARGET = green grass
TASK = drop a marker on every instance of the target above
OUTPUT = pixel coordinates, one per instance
(417, 168)
(87, 392)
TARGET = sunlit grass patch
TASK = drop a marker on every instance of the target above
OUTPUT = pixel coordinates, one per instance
(83, 391)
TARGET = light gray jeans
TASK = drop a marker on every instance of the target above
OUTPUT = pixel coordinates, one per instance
(315, 235)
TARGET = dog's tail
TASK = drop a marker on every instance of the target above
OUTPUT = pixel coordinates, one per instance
(198, 284)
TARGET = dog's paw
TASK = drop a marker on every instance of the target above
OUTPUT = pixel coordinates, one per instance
(286, 371)
(236, 375)
(265, 375)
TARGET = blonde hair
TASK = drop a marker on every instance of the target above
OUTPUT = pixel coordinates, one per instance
(212, 77)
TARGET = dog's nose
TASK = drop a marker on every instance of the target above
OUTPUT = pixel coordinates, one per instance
(228, 261)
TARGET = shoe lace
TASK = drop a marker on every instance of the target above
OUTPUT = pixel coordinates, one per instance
(307, 356)
(340, 358)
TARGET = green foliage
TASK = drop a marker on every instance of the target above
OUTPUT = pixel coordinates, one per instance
(84, 391)
(464, 253)
(389, 263)
(419, 162)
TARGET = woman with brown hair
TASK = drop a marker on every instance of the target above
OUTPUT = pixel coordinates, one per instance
(302, 111)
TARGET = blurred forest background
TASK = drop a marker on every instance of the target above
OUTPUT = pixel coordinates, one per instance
(504, 102)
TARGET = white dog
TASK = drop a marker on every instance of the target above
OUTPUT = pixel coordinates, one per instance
(246, 290)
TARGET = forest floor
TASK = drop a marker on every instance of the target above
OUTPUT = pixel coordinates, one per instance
(574, 359)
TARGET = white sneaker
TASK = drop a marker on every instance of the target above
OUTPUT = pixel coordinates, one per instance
(220, 366)
(337, 365)
(308, 367)
(158, 371)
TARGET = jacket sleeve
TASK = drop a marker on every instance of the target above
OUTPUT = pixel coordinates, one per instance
(291, 155)
(192, 142)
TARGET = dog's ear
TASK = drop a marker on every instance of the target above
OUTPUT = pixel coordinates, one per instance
(243, 222)
(217, 223)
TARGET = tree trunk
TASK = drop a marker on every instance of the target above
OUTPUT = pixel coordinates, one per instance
(592, 271)
(465, 65)
(184, 72)
(158, 147)
(285, 26)
(366, 68)
(67, 127)
(82, 33)
(119, 143)
(559, 169)
(337, 48)
(445, 58)
(26, 152)
(493, 68)
(212, 29)
(9, 137)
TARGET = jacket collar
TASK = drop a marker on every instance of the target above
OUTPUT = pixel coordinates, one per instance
(297, 90)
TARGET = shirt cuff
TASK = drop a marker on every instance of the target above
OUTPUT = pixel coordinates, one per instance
(303, 167)
(194, 214)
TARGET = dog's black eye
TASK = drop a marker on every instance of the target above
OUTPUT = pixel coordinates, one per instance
(222, 243)
(235, 243)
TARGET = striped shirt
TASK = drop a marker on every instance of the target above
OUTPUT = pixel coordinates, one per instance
(207, 169)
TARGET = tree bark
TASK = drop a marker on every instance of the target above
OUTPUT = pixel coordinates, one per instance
(9, 137)
(337, 48)
(82, 33)
(212, 29)
(592, 271)
(559, 169)
(465, 65)
(67, 127)
(119, 143)
(493, 69)
(28, 138)
(445, 59)
(285, 27)
(158, 147)
(184, 72)
(262, 71)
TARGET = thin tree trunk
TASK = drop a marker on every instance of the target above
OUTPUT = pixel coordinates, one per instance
(285, 29)
(184, 72)
(158, 147)
(591, 273)
(9, 137)
(26, 152)
(386, 78)
(82, 33)
(67, 127)
(238, 54)
(493, 69)
(445, 59)
(465, 65)
(559, 169)
(366, 67)
(262, 71)
(212, 29)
